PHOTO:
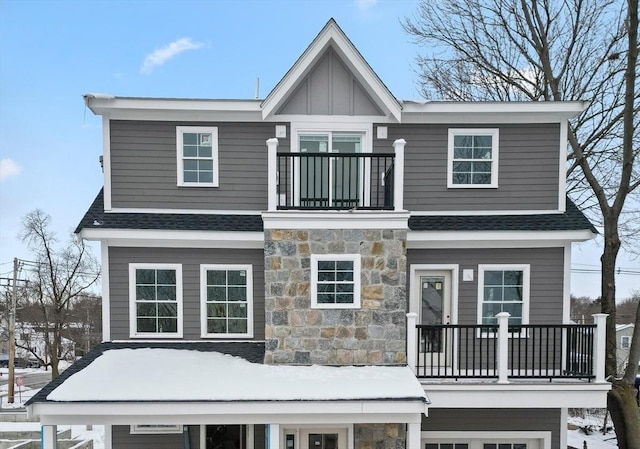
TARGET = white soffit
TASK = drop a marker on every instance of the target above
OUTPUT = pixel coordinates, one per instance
(332, 36)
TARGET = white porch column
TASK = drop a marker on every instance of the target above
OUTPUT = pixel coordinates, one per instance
(600, 320)
(272, 173)
(412, 346)
(49, 437)
(274, 436)
(398, 175)
(413, 435)
(503, 346)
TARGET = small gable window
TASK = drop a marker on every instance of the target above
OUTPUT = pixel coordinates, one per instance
(197, 149)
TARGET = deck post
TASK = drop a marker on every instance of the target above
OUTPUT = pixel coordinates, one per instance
(398, 175)
(272, 173)
(49, 437)
(600, 320)
(502, 350)
(412, 345)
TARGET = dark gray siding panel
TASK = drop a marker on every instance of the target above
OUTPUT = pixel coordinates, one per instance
(144, 167)
(191, 259)
(499, 420)
(527, 173)
(121, 438)
(547, 280)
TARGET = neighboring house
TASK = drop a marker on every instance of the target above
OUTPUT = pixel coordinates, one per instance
(386, 273)
(624, 333)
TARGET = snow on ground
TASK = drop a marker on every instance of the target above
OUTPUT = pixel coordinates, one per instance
(591, 421)
(21, 395)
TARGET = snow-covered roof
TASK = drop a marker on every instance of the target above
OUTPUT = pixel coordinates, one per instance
(159, 374)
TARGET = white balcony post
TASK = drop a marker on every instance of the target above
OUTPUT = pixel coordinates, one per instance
(412, 346)
(398, 174)
(49, 436)
(272, 173)
(502, 350)
(413, 435)
(600, 320)
(274, 436)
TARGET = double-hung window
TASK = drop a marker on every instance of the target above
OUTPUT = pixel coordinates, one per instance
(473, 158)
(226, 301)
(335, 281)
(197, 149)
(155, 300)
(503, 288)
(625, 342)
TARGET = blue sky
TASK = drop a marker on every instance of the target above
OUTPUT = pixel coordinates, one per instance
(52, 52)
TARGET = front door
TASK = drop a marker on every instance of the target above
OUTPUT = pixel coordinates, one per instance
(315, 438)
(434, 309)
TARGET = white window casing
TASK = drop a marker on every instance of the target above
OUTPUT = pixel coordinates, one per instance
(156, 301)
(330, 286)
(197, 156)
(222, 297)
(155, 428)
(503, 292)
(471, 160)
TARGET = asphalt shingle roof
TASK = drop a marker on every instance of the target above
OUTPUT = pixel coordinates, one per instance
(97, 218)
(248, 350)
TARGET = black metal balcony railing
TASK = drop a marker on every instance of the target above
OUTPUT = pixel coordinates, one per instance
(335, 181)
(533, 351)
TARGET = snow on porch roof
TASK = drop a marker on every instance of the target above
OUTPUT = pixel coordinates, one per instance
(159, 374)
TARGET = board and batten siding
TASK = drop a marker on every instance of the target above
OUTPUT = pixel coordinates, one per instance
(528, 168)
(191, 259)
(498, 420)
(546, 276)
(144, 167)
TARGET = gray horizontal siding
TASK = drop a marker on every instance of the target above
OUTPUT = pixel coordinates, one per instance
(527, 173)
(547, 280)
(499, 420)
(191, 259)
(121, 438)
(144, 167)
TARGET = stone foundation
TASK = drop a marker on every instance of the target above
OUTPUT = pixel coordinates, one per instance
(374, 334)
(379, 436)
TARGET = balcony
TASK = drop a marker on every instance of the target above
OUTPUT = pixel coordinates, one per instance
(335, 181)
(507, 352)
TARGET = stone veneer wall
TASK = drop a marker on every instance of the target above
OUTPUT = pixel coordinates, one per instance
(295, 333)
(380, 436)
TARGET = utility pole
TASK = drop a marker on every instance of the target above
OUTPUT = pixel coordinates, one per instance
(12, 332)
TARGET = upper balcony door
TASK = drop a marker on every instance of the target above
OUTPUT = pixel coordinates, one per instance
(435, 309)
(330, 182)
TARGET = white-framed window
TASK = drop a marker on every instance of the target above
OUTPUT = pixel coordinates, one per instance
(155, 300)
(486, 440)
(503, 288)
(197, 151)
(155, 428)
(226, 298)
(473, 158)
(625, 342)
(335, 281)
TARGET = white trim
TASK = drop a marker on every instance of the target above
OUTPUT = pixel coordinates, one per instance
(489, 239)
(562, 169)
(180, 131)
(543, 394)
(494, 133)
(357, 300)
(564, 417)
(332, 36)
(472, 213)
(141, 210)
(543, 437)
(106, 300)
(414, 290)
(180, 239)
(149, 429)
(203, 299)
(335, 220)
(108, 437)
(132, 299)
(566, 284)
(345, 434)
(106, 161)
(526, 286)
(552, 109)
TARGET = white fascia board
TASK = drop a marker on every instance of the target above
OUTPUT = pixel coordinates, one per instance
(275, 412)
(331, 35)
(487, 112)
(175, 239)
(535, 395)
(494, 239)
(482, 213)
(140, 210)
(335, 220)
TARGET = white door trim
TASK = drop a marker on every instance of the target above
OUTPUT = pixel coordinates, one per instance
(414, 286)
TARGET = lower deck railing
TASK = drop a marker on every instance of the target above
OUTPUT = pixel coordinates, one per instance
(503, 351)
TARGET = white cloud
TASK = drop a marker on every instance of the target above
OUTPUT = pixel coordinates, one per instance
(364, 5)
(162, 55)
(9, 168)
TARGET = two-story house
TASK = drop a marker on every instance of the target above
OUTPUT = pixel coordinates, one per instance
(333, 268)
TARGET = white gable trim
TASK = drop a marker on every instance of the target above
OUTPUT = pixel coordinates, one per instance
(332, 36)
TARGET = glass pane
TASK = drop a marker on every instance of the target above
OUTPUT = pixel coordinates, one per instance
(205, 139)
(190, 138)
(217, 310)
(482, 141)
(216, 326)
(146, 324)
(481, 167)
(345, 276)
(330, 441)
(489, 311)
(167, 310)
(463, 167)
(237, 326)
(462, 153)
(481, 178)
(462, 446)
(326, 288)
(344, 288)
(216, 277)
(190, 165)
(492, 278)
(431, 446)
(146, 293)
(326, 298)
(461, 178)
(515, 310)
(462, 141)
(314, 143)
(190, 176)
(324, 276)
(490, 446)
(167, 277)
(216, 294)
(237, 277)
(167, 293)
(167, 325)
(504, 446)
(345, 143)
(343, 265)
(146, 309)
(482, 153)
(205, 151)
(344, 298)
(519, 446)
(493, 293)
(326, 265)
(315, 441)
(513, 277)
(237, 293)
(189, 151)
(513, 293)
(145, 277)
(446, 446)
(238, 310)
(205, 165)
(205, 177)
